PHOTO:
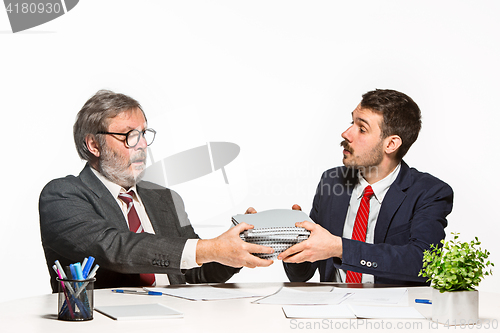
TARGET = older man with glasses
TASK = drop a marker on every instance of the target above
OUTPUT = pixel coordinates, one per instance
(138, 232)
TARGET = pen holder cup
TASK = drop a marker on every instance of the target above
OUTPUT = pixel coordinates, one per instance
(75, 299)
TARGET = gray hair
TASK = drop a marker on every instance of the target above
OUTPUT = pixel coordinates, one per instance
(95, 115)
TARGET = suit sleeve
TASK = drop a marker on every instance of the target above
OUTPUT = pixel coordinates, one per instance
(399, 256)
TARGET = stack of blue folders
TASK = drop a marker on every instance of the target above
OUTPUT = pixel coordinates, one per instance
(274, 228)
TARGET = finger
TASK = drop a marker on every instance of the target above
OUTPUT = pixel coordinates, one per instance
(251, 210)
(254, 248)
(296, 207)
(291, 251)
(295, 258)
(306, 225)
(239, 228)
(258, 262)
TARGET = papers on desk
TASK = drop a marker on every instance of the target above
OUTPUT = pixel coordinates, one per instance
(381, 312)
(138, 311)
(204, 293)
(359, 296)
(343, 303)
(274, 228)
(292, 296)
(376, 296)
(350, 311)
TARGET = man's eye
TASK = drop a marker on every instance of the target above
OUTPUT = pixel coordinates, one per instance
(362, 130)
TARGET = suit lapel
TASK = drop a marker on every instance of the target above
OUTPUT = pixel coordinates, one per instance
(340, 204)
(339, 212)
(156, 211)
(160, 208)
(105, 199)
(392, 201)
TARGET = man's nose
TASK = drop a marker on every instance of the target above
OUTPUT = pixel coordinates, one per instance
(142, 142)
(346, 135)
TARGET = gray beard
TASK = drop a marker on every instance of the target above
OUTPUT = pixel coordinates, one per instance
(116, 170)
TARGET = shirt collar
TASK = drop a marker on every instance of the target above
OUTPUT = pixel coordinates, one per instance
(115, 189)
(381, 187)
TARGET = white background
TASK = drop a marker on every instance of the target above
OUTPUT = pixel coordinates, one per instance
(278, 78)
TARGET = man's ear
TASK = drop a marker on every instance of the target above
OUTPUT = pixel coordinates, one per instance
(392, 144)
(93, 145)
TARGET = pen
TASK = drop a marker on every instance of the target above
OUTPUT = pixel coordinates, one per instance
(423, 301)
(63, 275)
(73, 272)
(68, 304)
(87, 266)
(91, 275)
(84, 262)
(124, 291)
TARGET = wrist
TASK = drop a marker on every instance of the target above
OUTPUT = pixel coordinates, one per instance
(204, 252)
(337, 247)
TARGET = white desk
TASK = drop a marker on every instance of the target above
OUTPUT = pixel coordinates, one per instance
(39, 314)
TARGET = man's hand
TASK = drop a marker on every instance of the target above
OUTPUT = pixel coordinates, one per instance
(229, 249)
(320, 245)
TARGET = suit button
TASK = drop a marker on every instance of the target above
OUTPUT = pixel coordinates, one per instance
(362, 262)
(167, 263)
(374, 264)
(368, 264)
(154, 262)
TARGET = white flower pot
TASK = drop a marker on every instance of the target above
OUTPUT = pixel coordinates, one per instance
(455, 307)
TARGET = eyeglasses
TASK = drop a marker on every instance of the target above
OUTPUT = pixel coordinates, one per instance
(133, 137)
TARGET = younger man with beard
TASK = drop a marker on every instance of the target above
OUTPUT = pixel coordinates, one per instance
(401, 210)
(137, 231)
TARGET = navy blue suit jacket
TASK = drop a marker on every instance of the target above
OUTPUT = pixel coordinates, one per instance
(412, 216)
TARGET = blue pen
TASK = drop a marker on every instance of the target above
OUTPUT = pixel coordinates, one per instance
(84, 262)
(423, 301)
(76, 272)
(125, 291)
(87, 266)
(73, 298)
(73, 272)
(90, 276)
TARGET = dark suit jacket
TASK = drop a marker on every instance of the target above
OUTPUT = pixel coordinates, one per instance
(79, 218)
(412, 216)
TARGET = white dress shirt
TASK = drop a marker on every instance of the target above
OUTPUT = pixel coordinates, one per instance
(188, 259)
(380, 189)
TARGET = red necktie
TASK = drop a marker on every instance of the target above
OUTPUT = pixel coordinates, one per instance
(134, 224)
(359, 231)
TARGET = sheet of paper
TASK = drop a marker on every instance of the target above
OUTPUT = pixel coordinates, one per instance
(318, 311)
(138, 311)
(206, 293)
(350, 311)
(373, 296)
(290, 296)
(380, 312)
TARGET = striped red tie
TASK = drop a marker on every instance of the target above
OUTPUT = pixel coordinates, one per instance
(359, 231)
(134, 224)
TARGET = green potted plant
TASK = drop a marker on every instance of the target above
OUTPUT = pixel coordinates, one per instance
(455, 270)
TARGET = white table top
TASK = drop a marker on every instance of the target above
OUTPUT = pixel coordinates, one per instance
(39, 314)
